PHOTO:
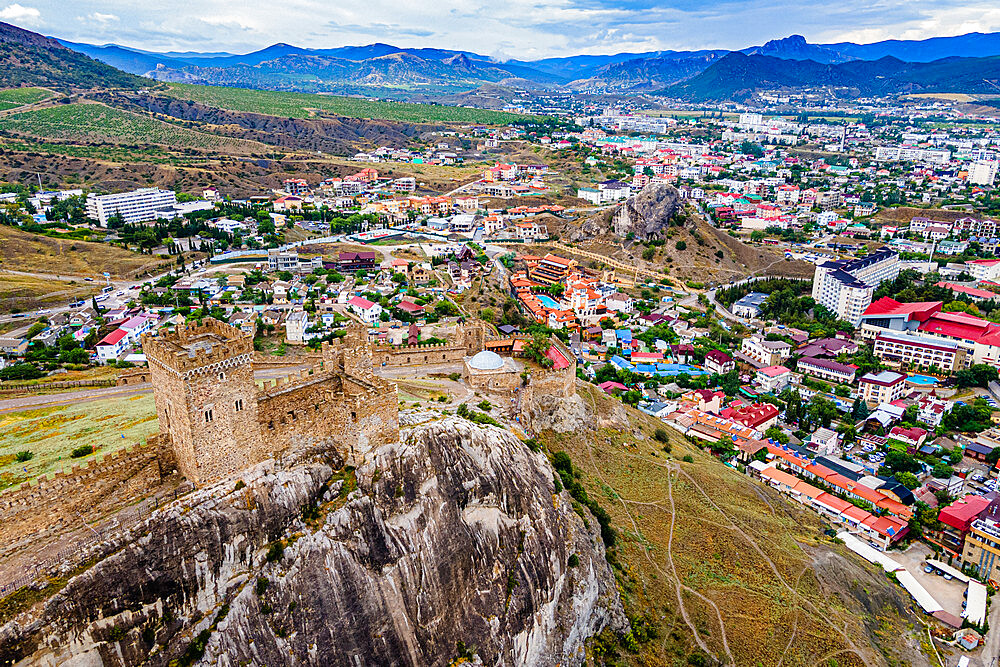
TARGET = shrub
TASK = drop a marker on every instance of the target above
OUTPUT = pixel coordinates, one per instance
(24, 456)
(681, 245)
(688, 458)
(484, 405)
(275, 551)
(261, 587)
(660, 435)
(573, 561)
(81, 451)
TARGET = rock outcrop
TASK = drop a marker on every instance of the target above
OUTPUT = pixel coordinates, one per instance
(647, 214)
(452, 543)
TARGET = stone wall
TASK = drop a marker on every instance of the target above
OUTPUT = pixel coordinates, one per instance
(323, 407)
(418, 355)
(90, 489)
(133, 376)
(469, 339)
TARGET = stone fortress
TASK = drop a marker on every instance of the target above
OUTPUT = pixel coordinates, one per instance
(219, 421)
(215, 419)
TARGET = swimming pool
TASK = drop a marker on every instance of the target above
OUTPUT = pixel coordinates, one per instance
(547, 301)
(924, 380)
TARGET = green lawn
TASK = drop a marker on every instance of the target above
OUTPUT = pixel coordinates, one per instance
(301, 105)
(96, 122)
(51, 433)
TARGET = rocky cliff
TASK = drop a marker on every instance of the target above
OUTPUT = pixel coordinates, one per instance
(451, 543)
(647, 214)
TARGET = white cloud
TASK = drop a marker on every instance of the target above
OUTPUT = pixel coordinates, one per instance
(21, 15)
(103, 19)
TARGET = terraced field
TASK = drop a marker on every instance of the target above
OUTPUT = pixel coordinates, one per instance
(302, 105)
(17, 97)
(98, 123)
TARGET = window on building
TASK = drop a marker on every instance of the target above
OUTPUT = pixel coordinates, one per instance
(208, 415)
(239, 405)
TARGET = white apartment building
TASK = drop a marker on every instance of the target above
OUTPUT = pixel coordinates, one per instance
(765, 352)
(882, 387)
(983, 172)
(911, 154)
(846, 286)
(136, 206)
(295, 326)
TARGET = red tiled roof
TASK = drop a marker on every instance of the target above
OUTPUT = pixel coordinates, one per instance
(962, 512)
(114, 337)
(889, 306)
(958, 325)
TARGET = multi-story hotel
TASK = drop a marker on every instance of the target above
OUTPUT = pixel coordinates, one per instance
(136, 206)
(827, 369)
(919, 352)
(846, 286)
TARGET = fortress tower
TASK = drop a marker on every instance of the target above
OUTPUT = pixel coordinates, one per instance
(205, 397)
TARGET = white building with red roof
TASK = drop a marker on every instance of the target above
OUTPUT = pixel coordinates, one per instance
(757, 416)
(984, 269)
(773, 379)
(913, 436)
(113, 345)
(368, 311)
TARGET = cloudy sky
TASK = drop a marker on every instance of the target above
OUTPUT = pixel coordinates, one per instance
(508, 29)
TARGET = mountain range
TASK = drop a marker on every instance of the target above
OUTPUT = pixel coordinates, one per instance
(891, 67)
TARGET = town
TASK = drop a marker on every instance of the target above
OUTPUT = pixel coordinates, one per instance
(800, 295)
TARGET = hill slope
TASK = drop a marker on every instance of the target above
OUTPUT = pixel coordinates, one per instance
(29, 59)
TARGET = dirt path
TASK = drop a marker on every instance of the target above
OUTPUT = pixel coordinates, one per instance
(72, 397)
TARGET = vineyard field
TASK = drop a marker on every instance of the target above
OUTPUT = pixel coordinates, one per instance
(98, 123)
(301, 105)
(17, 97)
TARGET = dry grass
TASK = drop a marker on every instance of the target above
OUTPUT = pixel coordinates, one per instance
(739, 557)
(34, 253)
(51, 433)
(26, 292)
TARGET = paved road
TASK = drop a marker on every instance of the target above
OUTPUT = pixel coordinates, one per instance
(97, 284)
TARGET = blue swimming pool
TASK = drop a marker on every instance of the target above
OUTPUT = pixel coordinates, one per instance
(547, 301)
(925, 380)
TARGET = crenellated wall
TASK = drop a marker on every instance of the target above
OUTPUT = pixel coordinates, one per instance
(88, 489)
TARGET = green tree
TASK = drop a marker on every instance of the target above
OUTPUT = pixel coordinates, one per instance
(907, 479)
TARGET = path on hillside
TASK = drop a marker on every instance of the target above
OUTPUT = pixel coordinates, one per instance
(731, 524)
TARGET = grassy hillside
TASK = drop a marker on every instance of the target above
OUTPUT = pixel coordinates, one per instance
(51, 433)
(302, 105)
(722, 569)
(98, 123)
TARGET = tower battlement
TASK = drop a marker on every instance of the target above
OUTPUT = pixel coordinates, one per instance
(190, 347)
